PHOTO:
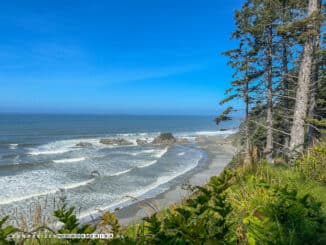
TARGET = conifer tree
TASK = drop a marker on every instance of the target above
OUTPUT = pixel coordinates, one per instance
(278, 56)
(304, 79)
(242, 60)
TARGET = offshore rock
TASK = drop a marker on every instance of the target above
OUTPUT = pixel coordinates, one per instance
(165, 139)
(115, 142)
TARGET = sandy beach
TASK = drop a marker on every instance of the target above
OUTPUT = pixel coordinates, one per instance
(219, 153)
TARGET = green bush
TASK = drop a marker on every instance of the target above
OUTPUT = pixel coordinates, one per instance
(288, 219)
(299, 219)
(313, 164)
(70, 224)
(6, 231)
(201, 220)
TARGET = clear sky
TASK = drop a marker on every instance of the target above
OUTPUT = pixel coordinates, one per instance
(129, 57)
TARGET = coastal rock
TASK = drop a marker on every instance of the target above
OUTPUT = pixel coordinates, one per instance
(84, 144)
(165, 139)
(182, 141)
(95, 173)
(115, 142)
(141, 142)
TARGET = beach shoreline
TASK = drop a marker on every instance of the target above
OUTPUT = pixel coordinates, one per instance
(219, 153)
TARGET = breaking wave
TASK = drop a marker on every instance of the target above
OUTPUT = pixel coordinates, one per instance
(70, 160)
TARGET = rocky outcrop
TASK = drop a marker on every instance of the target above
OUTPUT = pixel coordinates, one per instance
(182, 141)
(165, 139)
(115, 142)
(162, 139)
(95, 173)
(141, 142)
(84, 144)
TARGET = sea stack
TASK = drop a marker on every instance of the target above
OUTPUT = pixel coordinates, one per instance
(165, 139)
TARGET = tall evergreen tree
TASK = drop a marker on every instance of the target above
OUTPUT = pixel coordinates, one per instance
(243, 60)
(304, 79)
(316, 76)
(278, 46)
(259, 19)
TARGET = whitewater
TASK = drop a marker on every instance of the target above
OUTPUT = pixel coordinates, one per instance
(44, 159)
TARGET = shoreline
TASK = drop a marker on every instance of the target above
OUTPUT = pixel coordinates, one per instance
(219, 153)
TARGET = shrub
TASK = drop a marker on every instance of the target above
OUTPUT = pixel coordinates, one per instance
(287, 219)
(300, 219)
(6, 231)
(70, 224)
(313, 164)
(202, 219)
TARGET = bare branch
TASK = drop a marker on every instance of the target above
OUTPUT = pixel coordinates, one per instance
(284, 96)
(281, 144)
(281, 131)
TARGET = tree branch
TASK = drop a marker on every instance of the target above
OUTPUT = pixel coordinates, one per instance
(281, 131)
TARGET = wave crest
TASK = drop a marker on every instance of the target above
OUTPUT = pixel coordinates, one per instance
(70, 160)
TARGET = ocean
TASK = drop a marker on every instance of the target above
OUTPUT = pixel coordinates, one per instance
(45, 157)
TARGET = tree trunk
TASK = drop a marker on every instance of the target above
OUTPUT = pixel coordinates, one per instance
(248, 159)
(301, 102)
(269, 119)
(314, 79)
(286, 88)
(312, 100)
(285, 71)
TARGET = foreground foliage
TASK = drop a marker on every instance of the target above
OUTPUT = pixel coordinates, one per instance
(277, 205)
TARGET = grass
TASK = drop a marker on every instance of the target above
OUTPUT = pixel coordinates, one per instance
(253, 196)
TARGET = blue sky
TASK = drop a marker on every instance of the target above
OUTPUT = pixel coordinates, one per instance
(128, 57)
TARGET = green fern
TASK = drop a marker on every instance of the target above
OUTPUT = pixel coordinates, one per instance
(6, 231)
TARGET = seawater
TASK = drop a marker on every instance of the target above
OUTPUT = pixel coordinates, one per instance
(45, 156)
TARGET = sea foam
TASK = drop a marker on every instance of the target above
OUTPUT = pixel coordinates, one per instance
(13, 146)
(147, 164)
(121, 172)
(136, 194)
(48, 152)
(216, 133)
(161, 153)
(70, 160)
(70, 186)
